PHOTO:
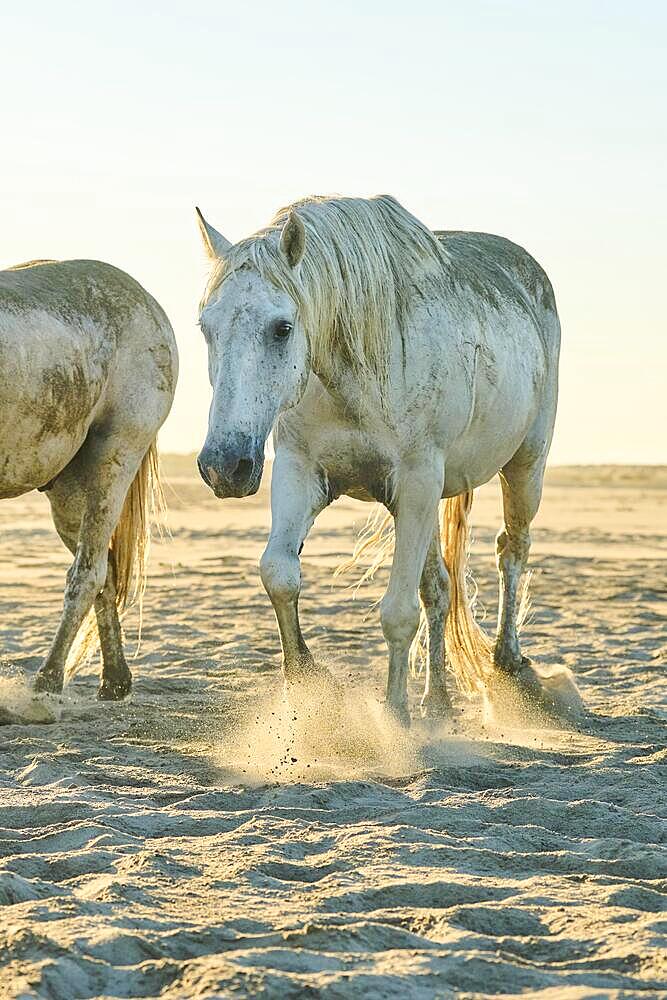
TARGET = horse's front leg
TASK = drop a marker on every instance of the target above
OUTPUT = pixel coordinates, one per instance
(298, 494)
(417, 493)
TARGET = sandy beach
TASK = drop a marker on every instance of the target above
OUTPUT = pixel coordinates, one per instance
(199, 840)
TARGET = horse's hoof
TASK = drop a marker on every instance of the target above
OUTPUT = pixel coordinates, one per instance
(308, 678)
(552, 692)
(398, 714)
(436, 707)
(114, 690)
(527, 678)
(314, 695)
(47, 683)
(508, 659)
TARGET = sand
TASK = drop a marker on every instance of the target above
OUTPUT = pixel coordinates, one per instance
(198, 841)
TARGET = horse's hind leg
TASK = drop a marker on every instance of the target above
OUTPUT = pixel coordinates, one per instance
(107, 466)
(434, 593)
(67, 499)
(553, 692)
(116, 675)
(521, 480)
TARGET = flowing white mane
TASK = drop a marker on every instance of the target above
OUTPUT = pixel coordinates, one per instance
(364, 260)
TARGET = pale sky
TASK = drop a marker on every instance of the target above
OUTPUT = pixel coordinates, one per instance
(544, 122)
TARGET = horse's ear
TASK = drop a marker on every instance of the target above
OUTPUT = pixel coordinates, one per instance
(215, 243)
(293, 239)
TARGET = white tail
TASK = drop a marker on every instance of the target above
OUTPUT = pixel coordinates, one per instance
(469, 648)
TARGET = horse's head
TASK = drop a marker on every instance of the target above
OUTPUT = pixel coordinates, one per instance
(258, 360)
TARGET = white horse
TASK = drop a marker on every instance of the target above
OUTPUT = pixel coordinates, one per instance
(88, 368)
(402, 366)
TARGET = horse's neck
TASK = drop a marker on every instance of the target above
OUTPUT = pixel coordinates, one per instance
(358, 401)
(368, 399)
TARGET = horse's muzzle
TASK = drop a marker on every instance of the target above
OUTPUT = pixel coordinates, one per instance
(233, 472)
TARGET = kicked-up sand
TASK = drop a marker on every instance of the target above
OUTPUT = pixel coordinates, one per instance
(207, 839)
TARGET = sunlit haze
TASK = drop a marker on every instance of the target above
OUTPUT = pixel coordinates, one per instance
(542, 122)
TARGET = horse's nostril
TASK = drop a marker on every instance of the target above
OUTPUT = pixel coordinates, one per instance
(244, 469)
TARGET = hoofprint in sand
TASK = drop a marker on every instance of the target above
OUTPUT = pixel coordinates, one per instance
(206, 839)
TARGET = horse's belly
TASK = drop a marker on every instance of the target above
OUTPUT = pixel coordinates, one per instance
(493, 437)
(469, 472)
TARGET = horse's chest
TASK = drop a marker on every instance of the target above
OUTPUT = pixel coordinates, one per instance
(359, 468)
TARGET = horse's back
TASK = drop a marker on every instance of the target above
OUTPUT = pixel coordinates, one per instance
(76, 290)
(500, 272)
(73, 337)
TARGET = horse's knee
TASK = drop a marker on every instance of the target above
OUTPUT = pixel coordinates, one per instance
(399, 615)
(435, 590)
(512, 549)
(86, 577)
(281, 575)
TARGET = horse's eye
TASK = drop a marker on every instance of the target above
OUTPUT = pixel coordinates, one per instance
(282, 329)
